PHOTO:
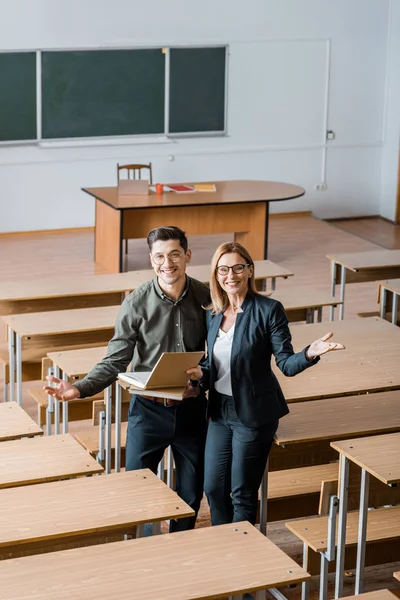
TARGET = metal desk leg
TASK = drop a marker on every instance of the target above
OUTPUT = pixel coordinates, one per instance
(273, 284)
(170, 470)
(383, 303)
(117, 450)
(108, 398)
(341, 544)
(56, 372)
(160, 469)
(395, 307)
(342, 290)
(333, 286)
(102, 425)
(50, 405)
(11, 358)
(65, 409)
(18, 367)
(264, 501)
(305, 586)
(5, 388)
(319, 314)
(362, 531)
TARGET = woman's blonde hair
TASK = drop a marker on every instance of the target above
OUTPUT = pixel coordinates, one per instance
(219, 298)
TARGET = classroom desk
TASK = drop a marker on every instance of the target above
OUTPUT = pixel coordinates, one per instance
(85, 291)
(47, 330)
(63, 293)
(378, 456)
(334, 419)
(15, 423)
(211, 562)
(301, 302)
(240, 207)
(46, 458)
(362, 266)
(370, 362)
(397, 575)
(80, 509)
(340, 418)
(388, 298)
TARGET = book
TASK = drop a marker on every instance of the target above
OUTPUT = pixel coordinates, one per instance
(169, 371)
(180, 188)
(205, 187)
(170, 393)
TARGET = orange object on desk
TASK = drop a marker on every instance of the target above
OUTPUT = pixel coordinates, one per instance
(159, 189)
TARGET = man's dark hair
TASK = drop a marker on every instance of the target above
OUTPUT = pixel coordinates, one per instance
(169, 232)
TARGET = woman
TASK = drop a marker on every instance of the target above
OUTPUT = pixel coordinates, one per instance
(245, 400)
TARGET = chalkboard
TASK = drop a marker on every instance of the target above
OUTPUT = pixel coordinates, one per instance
(17, 96)
(197, 90)
(102, 92)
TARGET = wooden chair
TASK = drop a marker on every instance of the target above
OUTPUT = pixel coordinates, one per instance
(134, 171)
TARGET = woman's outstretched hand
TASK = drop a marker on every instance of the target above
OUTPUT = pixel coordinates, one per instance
(322, 346)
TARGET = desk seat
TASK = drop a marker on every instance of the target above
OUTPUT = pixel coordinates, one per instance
(78, 410)
(383, 538)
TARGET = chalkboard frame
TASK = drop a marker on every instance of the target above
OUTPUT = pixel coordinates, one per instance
(115, 139)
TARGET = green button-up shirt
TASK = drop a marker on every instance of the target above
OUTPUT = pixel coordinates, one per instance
(148, 324)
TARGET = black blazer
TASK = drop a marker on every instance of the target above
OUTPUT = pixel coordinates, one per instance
(260, 331)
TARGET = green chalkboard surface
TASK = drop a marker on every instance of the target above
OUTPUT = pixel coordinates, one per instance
(17, 96)
(102, 92)
(197, 90)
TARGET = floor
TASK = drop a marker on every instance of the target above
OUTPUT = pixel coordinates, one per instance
(375, 229)
(299, 243)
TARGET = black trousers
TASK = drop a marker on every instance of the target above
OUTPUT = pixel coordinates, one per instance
(152, 427)
(235, 460)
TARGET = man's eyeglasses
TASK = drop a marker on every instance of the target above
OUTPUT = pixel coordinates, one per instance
(174, 257)
(239, 268)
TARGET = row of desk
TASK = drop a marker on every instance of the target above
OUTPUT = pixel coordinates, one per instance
(78, 513)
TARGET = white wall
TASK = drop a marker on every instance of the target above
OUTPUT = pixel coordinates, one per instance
(270, 76)
(390, 151)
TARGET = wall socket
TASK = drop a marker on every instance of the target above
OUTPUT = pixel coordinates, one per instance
(320, 187)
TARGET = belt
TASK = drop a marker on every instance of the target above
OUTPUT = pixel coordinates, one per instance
(165, 401)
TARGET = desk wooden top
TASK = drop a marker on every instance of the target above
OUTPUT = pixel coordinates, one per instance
(61, 286)
(16, 423)
(63, 321)
(393, 285)
(340, 418)
(379, 455)
(47, 458)
(211, 562)
(377, 595)
(369, 363)
(375, 259)
(228, 192)
(303, 297)
(78, 362)
(53, 511)
(397, 575)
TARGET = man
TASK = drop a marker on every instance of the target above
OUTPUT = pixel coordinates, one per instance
(162, 315)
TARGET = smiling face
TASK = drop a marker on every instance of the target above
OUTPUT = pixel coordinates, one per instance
(173, 261)
(234, 283)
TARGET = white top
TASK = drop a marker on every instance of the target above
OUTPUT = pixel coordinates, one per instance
(222, 360)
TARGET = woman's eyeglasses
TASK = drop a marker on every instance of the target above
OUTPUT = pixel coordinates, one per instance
(239, 268)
